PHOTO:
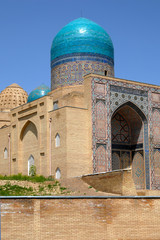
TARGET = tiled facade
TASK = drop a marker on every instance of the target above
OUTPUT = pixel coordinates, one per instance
(70, 69)
(115, 129)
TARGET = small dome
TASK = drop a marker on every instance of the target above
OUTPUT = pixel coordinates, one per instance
(38, 92)
(12, 96)
(82, 36)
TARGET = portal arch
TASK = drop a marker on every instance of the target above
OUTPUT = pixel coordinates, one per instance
(129, 134)
(134, 107)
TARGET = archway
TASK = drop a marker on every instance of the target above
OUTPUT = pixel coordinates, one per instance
(127, 126)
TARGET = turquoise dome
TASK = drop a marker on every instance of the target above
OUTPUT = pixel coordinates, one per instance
(38, 92)
(82, 36)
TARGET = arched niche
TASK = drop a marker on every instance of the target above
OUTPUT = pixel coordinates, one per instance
(129, 137)
(28, 126)
(28, 146)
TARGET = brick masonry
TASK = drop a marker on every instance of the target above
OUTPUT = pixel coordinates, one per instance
(76, 219)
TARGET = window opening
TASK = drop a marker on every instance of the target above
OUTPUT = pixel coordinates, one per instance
(30, 163)
(106, 73)
(58, 173)
(5, 153)
(55, 105)
(57, 140)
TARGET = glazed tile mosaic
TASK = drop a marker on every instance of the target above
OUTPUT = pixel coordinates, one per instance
(112, 104)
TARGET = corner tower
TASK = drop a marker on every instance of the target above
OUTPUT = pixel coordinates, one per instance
(80, 48)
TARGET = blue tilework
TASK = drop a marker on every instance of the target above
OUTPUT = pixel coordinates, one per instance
(146, 148)
(72, 73)
(139, 96)
(38, 92)
(82, 36)
(82, 57)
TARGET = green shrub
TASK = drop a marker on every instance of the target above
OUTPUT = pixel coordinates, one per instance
(32, 171)
(41, 188)
(15, 190)
(36, 178)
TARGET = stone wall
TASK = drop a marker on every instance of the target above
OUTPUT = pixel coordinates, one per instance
(76, 219)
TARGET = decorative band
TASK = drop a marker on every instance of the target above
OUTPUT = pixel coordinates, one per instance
(82, 57)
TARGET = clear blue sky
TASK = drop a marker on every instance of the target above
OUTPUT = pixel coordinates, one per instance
(27, 28)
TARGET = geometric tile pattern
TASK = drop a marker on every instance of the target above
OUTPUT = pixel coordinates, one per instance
(70, 71)
(38, 92)
(99, 139)
(138, 171)
(100, 120)
(156, 167)
(138, 97)
(156, 127)
(120, 130)
(115, 161)
(100, 159)
(121, 95)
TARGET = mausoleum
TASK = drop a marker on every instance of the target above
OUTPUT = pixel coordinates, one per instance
(90, 124)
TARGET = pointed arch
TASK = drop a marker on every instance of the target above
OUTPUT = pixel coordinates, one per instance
(134, 107)
(28, 126)
(138, 125)
(57, 140)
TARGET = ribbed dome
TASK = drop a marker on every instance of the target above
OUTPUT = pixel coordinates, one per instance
(38, 92)
(12, 96)
(82, 36)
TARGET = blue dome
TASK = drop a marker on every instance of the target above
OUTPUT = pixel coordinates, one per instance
(82, 36)
(38, 92)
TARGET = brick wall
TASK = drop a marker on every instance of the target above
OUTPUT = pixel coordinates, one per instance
(71, 219)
